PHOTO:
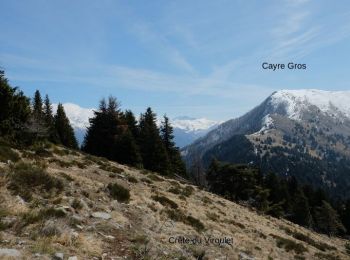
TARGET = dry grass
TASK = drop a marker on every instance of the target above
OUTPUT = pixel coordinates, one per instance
(157, 208)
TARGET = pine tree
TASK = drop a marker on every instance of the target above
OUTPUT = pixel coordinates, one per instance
(345, 216)
(105, 128)
(177, 165)
(109, 134)
(64, 130)
(50, 120)
(301, 210)
(328, 221)
(126, 150)
(132, 123)
(153, 152)
(197, 172)
(14, 110)
(37, 105)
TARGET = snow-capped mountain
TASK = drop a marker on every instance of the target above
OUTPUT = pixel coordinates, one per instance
(186, 129)
(305, 133)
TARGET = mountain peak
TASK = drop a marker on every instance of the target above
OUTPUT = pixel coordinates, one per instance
(297, 101)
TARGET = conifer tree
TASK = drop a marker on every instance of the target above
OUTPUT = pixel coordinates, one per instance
(177, 166)
(104, 129)
(345, 216)
(64, 130)
(328, 221)
(132, 123)
(49, 120)
(301, 210)
(37, 105)
(109, 134)
(153, 152)
(14, 109)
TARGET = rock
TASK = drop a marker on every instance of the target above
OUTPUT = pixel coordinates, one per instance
(101, 215)
(20, 200)
(6, 252)
(72, 258)
(244, 256)
(58, 256)
(111, 238)
(84, 204)
(79, 227)
(74, 235)
(8, 221)
(115, 204)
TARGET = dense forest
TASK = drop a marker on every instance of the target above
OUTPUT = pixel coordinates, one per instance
(280, 197)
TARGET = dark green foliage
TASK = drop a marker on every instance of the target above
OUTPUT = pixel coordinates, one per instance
(153, 151)
(345, 215)
(6, 153)
(327, 220)
(25, 178)
(186, 191)
(50, 121)
(307, 239)
(301, 210)
(276, 196)
(118, 192)
(235, 182)
(132, 179)
(36, 216)
(177, 215)
(64, 130)
(37, 105)
(110, 135)
(289, 245)
(196, 223)
(165, 201)
(177, 166)
(347, 248)
(14, 110)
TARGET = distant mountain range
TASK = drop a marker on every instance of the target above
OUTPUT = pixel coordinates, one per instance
(186, 129)
(304, 133)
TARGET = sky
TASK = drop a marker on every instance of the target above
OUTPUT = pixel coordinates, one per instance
(183, 58)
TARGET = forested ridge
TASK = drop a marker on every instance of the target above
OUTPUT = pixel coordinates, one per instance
(120, 137)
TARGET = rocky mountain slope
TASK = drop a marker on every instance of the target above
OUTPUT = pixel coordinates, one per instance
(305, 133)
(62, 203)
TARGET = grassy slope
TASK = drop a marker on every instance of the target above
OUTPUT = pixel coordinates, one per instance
(140, 229)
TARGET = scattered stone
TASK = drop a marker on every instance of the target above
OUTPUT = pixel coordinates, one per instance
(58, 256)
(101, 215)
(84, 204)
(6, 252)
(244, 256)
(79, 227)
(8, 221)
(20, 200)
(72, 258)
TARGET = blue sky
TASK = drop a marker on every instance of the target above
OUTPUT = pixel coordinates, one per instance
(194, 58)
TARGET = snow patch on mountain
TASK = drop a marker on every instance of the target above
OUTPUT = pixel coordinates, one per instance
(193, 124)
(333, 103)
(78, 116)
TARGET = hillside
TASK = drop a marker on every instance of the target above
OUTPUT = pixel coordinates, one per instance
(301, 133)
(61, 202)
